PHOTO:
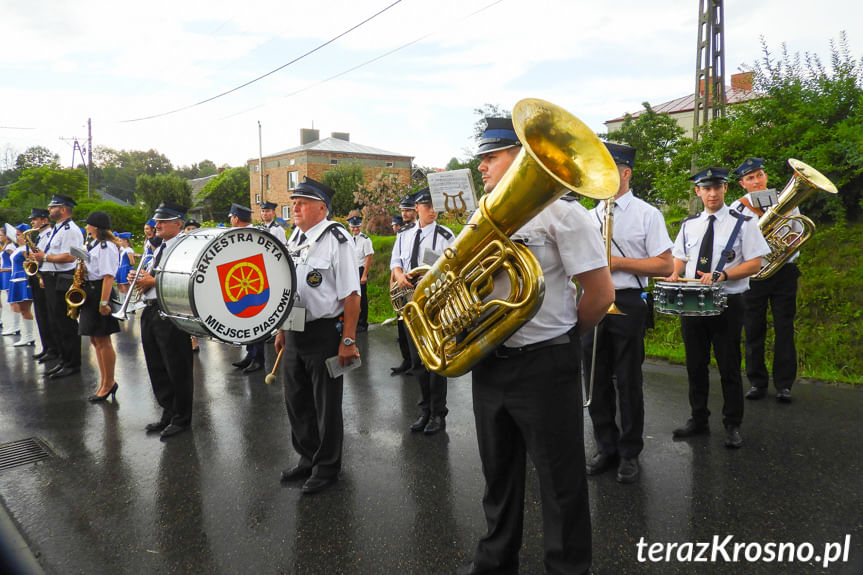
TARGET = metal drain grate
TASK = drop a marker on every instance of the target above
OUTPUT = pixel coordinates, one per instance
(22, 452)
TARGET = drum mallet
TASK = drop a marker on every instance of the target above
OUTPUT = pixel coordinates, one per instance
(271, 377)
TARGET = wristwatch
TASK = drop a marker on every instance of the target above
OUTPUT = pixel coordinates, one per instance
(348, 341)
(103, 303)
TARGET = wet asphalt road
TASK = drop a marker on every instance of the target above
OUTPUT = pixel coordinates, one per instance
(112, 499)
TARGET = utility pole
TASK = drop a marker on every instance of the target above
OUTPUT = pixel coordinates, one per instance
(89, 156)
(709, 65)
(260, 162)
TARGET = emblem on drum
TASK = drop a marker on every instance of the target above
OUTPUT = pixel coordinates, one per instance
(245, 287)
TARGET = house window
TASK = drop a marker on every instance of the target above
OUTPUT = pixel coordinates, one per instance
(333, 161)
(292, 161)
(286, 213)
(390, 164)
(257, 198)
(268, 181)
(292, 180)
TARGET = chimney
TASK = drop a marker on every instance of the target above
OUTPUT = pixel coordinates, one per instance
(309, 135)
(341, 136)
(742, 81)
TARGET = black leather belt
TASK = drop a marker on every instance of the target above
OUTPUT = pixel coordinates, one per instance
(507, 352)
(151, 302)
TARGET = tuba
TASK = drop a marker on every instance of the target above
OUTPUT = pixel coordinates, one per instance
(776, 223)
(452, 318)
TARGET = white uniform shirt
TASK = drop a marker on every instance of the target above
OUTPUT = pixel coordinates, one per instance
(164, 247)
(104, 261)
(275, 230)
(748, 244)
(565, 244)
(362, 248)
(639, 231)
(63, 237)
(326, 270)
(796, 227)
(431, 238)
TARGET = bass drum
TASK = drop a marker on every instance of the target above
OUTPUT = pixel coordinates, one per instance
(236, 285)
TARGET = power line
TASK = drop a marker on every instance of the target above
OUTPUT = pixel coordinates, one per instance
(261, 77)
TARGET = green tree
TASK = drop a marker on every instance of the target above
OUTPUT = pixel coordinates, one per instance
(661, 162)
(153, 190)
(123, 218)
(378, 198)
(346, 180)
(809, 112)
(116, 172)
(36, 186)
(217, 195)
(37, 157)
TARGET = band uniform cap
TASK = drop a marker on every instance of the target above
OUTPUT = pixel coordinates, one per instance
(407, 203)
(749, 165)
(61, 200)
(398, 221)
(99, 219)
(193, 223)
(623, 155)
(11, 232)
(269, 205)
(314, 190)
(169, 211)
(499, 134)
(151, 222)
(710, 176)
(355, 221)
(39, 213)
(242, 212)
(124, 235)
(423, 196)
(22, 228)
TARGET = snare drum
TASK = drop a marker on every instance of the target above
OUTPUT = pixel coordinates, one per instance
(236, 285)
(689, 298)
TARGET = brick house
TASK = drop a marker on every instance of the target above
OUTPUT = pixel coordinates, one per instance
(312, 158)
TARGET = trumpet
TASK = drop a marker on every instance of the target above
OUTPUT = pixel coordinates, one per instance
(121, 314)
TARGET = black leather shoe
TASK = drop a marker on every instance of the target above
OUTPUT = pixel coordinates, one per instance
(253, 367)
(628, 470)
(732, 437)
(296, 473)
(756, 392)
(691, 429)
(317, 484)
(600, 462)
(436, 423)
(48, 358)
(173, 430)
(400, 369)
(420, 423)
(65, 372)
(243, 363)
(784, 395)
(155, 426)
(41, 354)
(53, 369)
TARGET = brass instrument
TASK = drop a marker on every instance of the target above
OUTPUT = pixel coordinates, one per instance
(31, 267)
(122, 313)
(447, 318)
(776, 223)
(75, 296)
(400, 295)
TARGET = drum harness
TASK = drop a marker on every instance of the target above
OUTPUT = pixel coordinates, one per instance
(727, 251)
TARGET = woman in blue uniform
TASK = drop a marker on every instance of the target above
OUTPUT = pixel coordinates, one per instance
(19, 295)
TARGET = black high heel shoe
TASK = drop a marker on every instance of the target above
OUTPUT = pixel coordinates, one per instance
(97, 398)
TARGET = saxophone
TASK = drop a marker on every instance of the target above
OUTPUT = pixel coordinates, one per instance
(31, 268)
(75, 296)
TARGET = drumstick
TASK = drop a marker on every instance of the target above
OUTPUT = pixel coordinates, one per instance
(271, 377)
(661, 279)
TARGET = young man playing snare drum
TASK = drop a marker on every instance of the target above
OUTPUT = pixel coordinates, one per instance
(716, 246)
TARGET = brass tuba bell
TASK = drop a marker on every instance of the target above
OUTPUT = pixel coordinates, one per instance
(452, 318)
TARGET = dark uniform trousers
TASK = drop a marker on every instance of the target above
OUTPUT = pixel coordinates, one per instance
(313, 399)
(64, 330)
(169, 363)
(40, 307)
(363, 320)
(433, 387)
(619, 355)
(255, 351)
(531, 404)
(780, 291)
(403, 338)
(723, 332)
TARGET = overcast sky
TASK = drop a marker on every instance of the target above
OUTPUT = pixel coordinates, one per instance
(64, 62)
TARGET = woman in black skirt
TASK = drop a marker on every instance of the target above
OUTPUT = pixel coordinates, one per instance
(95, 319)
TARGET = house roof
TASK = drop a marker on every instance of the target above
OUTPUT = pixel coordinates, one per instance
(338, 145)
(687, 103)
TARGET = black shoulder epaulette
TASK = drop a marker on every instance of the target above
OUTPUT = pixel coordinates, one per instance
(362, 235)
(739, 215)
(444, 232)
(567, 198)
(410, 226)
(337, 230)
(692, 217)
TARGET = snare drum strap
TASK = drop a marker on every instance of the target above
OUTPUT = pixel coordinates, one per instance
(727, 251)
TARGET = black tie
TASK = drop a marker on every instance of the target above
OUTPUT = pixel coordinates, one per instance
(158, 257)
(415, 254)
(705, 254)
(302, 239)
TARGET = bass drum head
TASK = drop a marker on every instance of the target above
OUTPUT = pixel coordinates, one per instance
(239, 284)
